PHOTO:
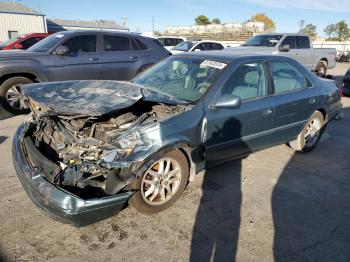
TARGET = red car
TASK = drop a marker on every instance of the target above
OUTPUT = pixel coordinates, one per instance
(23, 41)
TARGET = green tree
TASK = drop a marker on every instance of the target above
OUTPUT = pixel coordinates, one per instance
(216, 21)
(261, 17)
(330, 30)
(310, 30)
(342, 31)
(202, 20)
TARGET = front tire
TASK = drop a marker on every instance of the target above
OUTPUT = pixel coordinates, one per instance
(311, 134)
(10, 97)
(162, 184)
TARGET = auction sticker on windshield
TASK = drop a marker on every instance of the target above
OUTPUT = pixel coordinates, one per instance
(215, 64)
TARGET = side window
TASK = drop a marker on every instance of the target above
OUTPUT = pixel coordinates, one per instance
(201, 47)
(116, 43)
(287, 77)
(302, 42)
(247, 81)
(178, 41)
(138, 44)
(83, 43)
(289, 40)
(29, 42)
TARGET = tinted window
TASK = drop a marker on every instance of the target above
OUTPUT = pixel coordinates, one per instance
(302, 42)
(287, 77)
(247, 81)
(263, 40)
(29, 42)
(83, 43)
(215, 46)
(116, 43)
(289, 40)
(178, 41)
(138, 44)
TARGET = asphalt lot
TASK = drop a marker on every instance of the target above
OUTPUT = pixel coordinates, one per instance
(273, 205)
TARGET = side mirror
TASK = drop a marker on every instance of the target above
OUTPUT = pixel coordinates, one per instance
(197, 50)
(61, 50)
(227, 101)
(18, 46)
(284, 48)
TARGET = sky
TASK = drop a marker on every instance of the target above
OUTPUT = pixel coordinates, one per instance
(285, 13)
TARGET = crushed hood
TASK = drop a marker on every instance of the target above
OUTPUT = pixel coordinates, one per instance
(91, 98)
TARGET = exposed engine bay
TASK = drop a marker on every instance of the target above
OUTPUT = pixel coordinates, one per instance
(85, 148)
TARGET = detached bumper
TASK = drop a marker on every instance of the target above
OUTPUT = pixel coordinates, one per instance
(56, 202)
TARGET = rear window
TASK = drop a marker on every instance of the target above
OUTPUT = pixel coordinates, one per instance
(116, 43)
(138, 44)
(302, 42)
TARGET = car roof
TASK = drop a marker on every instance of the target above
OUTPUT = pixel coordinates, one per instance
(228, 56)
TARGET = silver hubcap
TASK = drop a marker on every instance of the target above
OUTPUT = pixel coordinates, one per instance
(161, 181)
(312, 133)
(13, 98)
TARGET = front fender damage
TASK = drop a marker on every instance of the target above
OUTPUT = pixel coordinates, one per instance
(96, 152)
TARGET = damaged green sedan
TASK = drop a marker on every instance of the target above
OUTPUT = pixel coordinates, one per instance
(91, 147)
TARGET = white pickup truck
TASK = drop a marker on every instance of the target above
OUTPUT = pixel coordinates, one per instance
(296, 46)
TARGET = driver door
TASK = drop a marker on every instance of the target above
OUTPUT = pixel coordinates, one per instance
(235, 132)
(83, 62)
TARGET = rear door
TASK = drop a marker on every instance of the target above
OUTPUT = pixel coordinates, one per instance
(293, 52)
(235, 132)
(118, 60)
(305, 51)
(295, 100)
(81, 63)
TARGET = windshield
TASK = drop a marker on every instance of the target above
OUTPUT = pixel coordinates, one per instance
(184, 78)
(47, 43)
(184, 46)
(263, 40)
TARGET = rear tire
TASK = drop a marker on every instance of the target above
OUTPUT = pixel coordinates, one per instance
(321, 69)
(309, 137)
(10, 95)
(167, 182)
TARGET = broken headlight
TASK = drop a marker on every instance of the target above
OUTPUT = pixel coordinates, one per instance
(135, 140)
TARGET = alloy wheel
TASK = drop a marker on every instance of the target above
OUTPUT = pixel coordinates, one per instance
(313, 130)
(13, 98)
(161, 181)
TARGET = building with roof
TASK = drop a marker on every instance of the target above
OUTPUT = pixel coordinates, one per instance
(56, 25)
(17, 19)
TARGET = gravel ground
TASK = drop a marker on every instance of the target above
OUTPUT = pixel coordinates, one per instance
(273, 205)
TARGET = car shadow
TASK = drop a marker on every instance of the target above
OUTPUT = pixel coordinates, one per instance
(2, 139)
(310, 202)
(216, 229)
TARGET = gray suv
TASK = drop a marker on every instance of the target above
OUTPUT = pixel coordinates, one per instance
(76, 55)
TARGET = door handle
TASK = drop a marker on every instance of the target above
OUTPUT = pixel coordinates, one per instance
(94, 59)
(132, 57)
(267, 111)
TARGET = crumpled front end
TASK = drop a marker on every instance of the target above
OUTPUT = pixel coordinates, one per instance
(95, 153)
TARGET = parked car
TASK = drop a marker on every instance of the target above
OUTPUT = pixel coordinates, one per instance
(92, 146)
(170, 41)
(76, 55)
(346, 83)
(23, 41)
(191, 46)
(296, 46)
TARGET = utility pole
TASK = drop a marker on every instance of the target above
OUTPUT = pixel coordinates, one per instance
(153, 25)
